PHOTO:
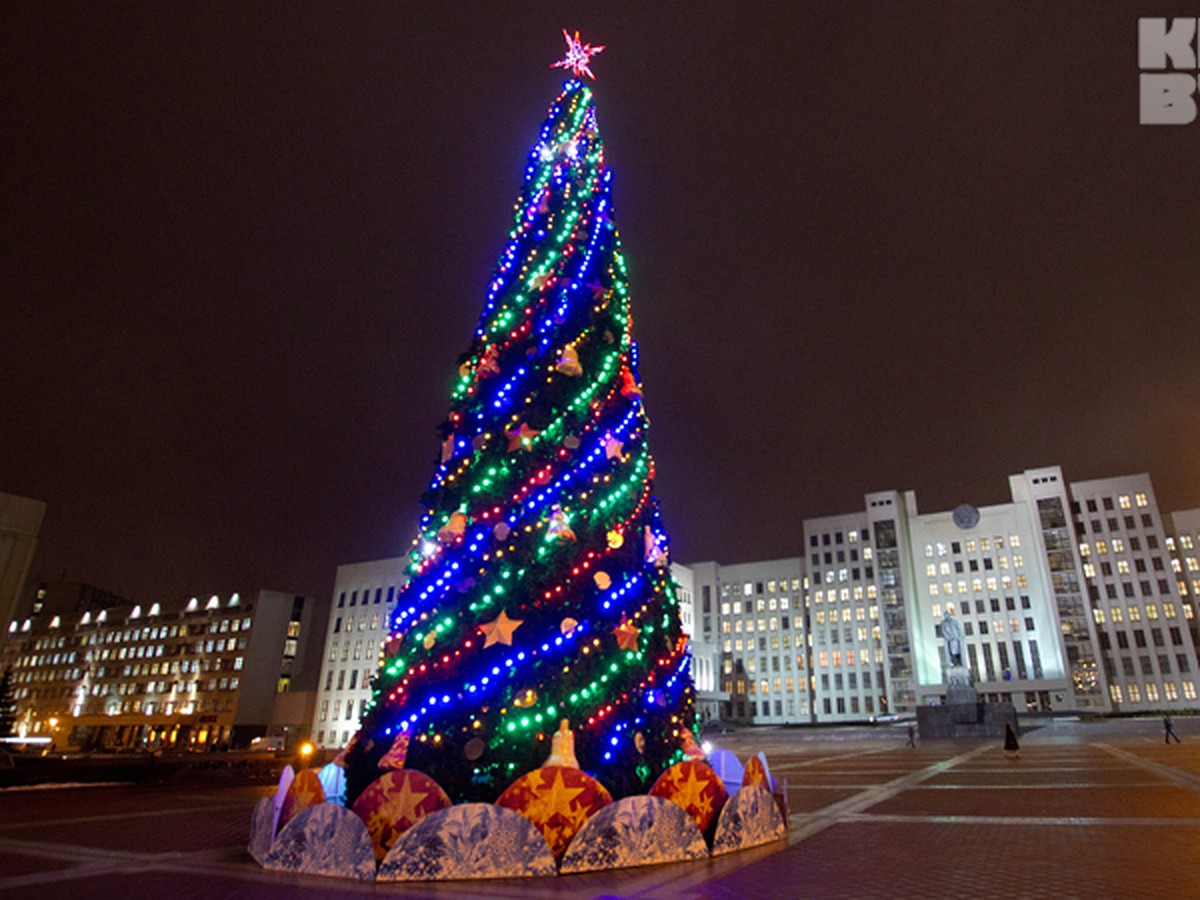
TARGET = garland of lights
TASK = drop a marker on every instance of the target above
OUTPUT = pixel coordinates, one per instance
(539, 586)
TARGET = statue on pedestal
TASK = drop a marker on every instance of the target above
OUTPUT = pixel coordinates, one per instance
(960, 687)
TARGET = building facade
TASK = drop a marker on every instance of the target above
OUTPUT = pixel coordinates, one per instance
(190, 675)
(364, 595)
(1142, 611)
(1072, 598)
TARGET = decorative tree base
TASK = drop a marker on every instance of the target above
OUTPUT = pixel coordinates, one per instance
(555, 823)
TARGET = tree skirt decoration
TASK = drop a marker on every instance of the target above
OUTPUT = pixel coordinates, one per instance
(396, 801)
(697, 790)
(635, 831)
(304, 791)
(333, 782)
(324, 840)
(749, 818)
(755, 772)
(557, 800)
(472, 840)
(262, 829)
(285, 781)
(728, 769)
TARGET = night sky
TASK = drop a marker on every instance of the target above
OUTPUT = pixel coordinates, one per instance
(871, 246)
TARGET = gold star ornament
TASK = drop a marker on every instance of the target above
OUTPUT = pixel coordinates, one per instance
(500, 629)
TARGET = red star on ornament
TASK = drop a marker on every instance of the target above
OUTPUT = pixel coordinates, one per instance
(578, 54)
(627, 635)
(522, 438)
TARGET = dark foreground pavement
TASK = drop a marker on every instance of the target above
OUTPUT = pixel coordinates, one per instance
(1087, 810)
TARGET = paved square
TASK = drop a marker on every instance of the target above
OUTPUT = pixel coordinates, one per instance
(1086, 810)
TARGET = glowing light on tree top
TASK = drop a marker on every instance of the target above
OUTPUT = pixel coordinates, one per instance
(578, 56)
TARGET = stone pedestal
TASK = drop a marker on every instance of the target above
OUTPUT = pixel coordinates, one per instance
(965, 720)
(960, 690)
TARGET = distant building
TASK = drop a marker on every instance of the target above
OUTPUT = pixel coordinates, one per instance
(1074, 597)
(193, 674)
(1142, 610)
(364, 595)
(696, 620)
(20, 522)
(1183, 543)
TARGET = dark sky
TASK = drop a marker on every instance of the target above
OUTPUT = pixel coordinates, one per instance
(872, 246)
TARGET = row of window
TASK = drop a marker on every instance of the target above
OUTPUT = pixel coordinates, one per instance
(361, 622)
(366, 597)
(985, 545)
(1122, 500)
(1135, 612)
(342, 684)
(1170, 692)
(1147, 665)
(979, 585)
(337, 707)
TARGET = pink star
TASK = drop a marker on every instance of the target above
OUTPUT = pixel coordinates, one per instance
(578, 54)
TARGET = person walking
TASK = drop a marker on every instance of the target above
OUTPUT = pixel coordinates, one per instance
(1169, 731)
(912, 736)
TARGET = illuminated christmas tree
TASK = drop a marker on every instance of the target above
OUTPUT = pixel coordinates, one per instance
(540, 589)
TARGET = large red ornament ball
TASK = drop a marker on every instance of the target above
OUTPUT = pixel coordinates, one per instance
(395, 802)
(304, 791)
(557, 800)
(696, 788)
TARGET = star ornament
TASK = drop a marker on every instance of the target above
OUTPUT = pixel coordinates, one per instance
(522, 438)
(578, 56)
(627, 635)
(500, 629)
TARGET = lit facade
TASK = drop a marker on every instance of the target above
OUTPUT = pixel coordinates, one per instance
(364, 595)
(1140, 604)
(1073, 597)
(196, 674)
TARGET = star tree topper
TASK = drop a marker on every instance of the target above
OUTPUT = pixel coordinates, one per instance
(578, 55)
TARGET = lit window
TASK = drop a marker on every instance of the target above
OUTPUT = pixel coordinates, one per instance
(1151, 610)
(1141, 499)
(971, 546)
(1098, 615)
(1118, 545)
(1101, 546)
(1114, 691)
(1189, 690)
(1117, 614)
(1123, 502)
(1169, 610)
(1135, 614)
